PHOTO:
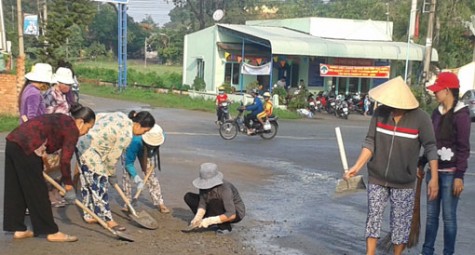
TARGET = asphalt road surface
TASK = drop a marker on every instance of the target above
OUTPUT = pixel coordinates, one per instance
(288, 183)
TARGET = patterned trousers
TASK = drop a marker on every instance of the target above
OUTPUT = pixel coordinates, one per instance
(153, 186)
(94, 188)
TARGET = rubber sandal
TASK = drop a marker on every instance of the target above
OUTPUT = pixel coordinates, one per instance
(66, 238)
(91, 221)
(163, 209)
(118, 228)
(23, 235)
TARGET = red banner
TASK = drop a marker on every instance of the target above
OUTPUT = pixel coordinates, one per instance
(354, 71)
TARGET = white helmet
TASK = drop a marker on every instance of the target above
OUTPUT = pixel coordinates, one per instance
(266, 94)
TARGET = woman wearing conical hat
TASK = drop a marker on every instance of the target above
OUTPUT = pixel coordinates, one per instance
(397, 131)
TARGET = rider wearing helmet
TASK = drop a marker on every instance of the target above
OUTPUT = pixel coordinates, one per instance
(255, 108)
(220, 98)
(268, 107)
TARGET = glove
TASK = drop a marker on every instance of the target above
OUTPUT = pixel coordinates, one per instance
(112, 179)
(197, 219)
(139, 182)
(70, 196)
(210, 221)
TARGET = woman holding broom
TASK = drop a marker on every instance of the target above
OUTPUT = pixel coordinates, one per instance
(451, 122)
(397, 130)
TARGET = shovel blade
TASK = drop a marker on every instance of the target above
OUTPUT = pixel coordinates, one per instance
(124, 236)
(145, 220)
(352, 184)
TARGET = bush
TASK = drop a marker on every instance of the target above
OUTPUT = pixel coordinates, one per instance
(281, 92)
(228, 89)
(199, 84)
(425, 99)
(299, 101)
(252, 85)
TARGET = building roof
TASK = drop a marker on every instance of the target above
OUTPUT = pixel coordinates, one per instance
(284, 41)
(348, 29)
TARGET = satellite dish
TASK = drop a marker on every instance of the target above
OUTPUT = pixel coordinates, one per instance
(218, 15)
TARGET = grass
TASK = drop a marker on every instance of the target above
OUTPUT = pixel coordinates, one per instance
(8, 122)
(168, 100)
(137, 65)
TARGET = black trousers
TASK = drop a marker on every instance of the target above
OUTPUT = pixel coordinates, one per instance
(25, 187)
(215, 207)
(248, 118)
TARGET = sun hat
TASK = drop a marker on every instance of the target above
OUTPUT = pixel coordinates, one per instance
(445, 80)
(395, 93)
(40, 72)
(209, 176)
(63, 75)
(154, 136)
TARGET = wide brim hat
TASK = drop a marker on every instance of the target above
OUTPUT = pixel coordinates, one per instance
(395, 93)
(445, 80)
(154, 136)
(41, 72)
(209, 176)
(63, 75)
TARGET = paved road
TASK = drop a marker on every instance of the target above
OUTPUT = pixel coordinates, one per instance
(292, 208)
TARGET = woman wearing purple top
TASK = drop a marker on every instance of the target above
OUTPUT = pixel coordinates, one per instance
(451, 122)
(31, 101)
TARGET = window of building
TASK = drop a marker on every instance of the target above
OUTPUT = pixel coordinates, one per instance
(231, 73)
(200, 68)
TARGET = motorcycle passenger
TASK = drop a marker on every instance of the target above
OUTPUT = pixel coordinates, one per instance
(255, 108)
(220, 98)
(268, 108)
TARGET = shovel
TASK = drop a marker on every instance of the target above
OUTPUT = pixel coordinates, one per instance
(355, 182)
(145, 179)
(142, 218)
(118, 234)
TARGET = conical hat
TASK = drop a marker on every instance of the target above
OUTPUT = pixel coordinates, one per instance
(395, 93)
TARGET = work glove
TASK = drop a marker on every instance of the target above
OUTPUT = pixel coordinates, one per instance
(139, 182)
(198, 217)
(113, 179)
(210, 221)
(70, 196)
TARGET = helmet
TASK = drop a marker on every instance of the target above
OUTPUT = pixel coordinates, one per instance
(266, 94)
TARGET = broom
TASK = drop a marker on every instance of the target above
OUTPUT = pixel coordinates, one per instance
(386, 242)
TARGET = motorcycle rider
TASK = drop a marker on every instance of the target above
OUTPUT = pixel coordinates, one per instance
(255, 108)
(268, 107)
(220, 98)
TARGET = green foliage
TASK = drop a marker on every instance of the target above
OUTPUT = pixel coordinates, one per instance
(282, 94)
(252, 85)
(426, 100)
(199, 84)
(227, 88)
(299, 101)
(8, 122)
(101, 74)
(96, 50)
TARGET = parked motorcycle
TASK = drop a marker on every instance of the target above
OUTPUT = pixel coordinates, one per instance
(75, 91)
(230, 128)
(341, 109)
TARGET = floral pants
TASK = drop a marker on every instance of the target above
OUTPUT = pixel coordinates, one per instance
(153, 186)
(402, 206)
(94, 188)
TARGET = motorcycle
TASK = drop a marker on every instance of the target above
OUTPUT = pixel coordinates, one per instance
(223, 112)
(75, 91)
(341, 109)
(230, 128)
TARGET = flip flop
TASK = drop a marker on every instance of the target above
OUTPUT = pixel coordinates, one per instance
(91, 221)
(66, 238)
(23, 235)
(118, 228)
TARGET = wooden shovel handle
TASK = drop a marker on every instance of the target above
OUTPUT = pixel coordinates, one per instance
(341, 147)
(78, 203)
(126, 200)
(145, 179)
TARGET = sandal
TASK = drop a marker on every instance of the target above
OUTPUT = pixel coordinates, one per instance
(118, 228)
(163, 209)
(23, 234)
(90, 221)
(64, 238)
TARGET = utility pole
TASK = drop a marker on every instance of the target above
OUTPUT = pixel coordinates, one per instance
(428, 52)
(21, 49)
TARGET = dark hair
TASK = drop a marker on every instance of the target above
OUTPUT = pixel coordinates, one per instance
(82, 112)
(144, 118)
(66, 64)
(446, 123)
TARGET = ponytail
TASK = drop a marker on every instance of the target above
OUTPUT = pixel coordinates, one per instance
(82, 112)
(144, 118)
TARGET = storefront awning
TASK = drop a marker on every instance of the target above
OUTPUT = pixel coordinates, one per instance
(289, 42)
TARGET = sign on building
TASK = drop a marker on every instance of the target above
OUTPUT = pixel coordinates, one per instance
(354, 71)
(30, 25)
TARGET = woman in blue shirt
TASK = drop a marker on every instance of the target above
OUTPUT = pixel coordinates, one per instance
(144, 148)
